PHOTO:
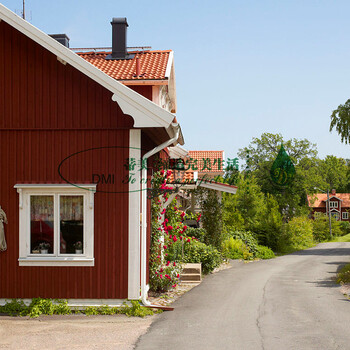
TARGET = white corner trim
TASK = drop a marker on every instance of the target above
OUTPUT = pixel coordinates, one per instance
(134, 245)
(144, 111)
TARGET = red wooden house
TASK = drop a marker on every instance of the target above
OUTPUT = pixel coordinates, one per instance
(338, 204)
(73, 142)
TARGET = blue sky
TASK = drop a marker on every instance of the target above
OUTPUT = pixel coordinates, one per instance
(242, 67)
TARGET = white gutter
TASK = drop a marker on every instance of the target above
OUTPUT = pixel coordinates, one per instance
(144, 286)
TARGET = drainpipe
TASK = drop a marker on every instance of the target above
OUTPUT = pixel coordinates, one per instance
(144, 286)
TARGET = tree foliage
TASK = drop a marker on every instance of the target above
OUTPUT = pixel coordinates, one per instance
(340, 120)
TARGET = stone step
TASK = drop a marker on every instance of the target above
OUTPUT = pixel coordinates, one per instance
(190, 270)
(191, 273)
(190, 278)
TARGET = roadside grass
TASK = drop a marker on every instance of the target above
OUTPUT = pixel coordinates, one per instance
(345, 238)
(343, 275)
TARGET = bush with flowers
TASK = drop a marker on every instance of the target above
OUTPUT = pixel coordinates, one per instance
(163, 274)
(173, 243)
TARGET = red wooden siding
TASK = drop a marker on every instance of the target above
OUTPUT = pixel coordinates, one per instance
(49, 111)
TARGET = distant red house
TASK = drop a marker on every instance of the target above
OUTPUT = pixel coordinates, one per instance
(338, 204)
(72, 140)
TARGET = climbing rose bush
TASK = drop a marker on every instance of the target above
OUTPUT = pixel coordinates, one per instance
(163, 274)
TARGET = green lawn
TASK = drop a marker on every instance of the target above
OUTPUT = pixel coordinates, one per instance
(342, 239)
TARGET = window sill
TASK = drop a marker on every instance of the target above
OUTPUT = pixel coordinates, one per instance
(54, 261)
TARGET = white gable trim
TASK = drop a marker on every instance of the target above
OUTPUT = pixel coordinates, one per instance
(144, 112)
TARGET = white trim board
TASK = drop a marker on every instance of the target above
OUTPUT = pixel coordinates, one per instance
(134, 253)
(144, 112)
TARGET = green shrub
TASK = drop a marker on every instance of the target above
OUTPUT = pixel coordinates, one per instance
(236, 249)
(14, 308)
(345, 227)
(297, 235)
(136, 310)
(248, 239)
(344, 275)
(265, 253)
(40, 306)
(321, 228)
(198, 233)
(197, 252)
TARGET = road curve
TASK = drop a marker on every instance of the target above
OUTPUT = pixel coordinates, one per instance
(286, 303)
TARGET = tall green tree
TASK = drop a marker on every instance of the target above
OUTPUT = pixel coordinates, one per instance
(260, 155)
(340, 120)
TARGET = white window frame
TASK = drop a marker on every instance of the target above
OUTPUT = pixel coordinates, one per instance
(345, 215)
(333, 204)
(26, 258)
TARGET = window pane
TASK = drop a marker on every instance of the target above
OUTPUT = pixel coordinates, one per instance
(41, 224)
(71, 224)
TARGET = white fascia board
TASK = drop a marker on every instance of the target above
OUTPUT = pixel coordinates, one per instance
(217, 187)
(144, 112)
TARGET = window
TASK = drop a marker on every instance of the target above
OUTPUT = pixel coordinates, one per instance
(335, 215)
(345, 215)
(56, 225)
(333, 204)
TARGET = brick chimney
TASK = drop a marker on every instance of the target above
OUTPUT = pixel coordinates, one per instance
(333, 192)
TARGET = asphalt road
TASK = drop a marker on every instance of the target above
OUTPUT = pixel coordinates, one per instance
(290, 302)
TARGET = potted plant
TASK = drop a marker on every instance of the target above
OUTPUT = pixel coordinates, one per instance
(78, 247)
(44, 248)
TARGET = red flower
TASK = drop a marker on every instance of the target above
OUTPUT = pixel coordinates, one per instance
(168, 263)
(189, 240)
(185, 228)
(174, 263)
(170, 227)
(168, 173)
(166, 254)
(175, 208)
(180, 238)
(166, 220)
(199, 217)
(182, 214)
(161, 276)
(164, 246)
(163, 211)
(162, 172)
(174, 285)
(174, 239)
(178, 275)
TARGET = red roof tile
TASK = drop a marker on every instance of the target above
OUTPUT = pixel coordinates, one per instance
(318, 200)
(153, 64)
(187, 177)
(213, 165)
